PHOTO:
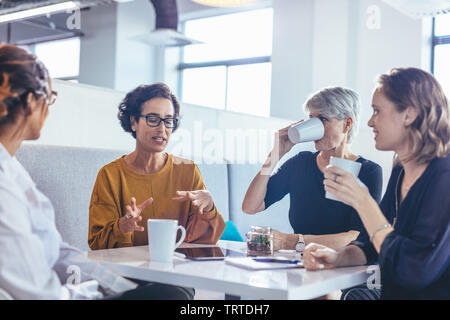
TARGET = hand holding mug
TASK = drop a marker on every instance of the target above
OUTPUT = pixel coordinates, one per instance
(201, 200)
(344, 186)
(128, 223)
(282, 144)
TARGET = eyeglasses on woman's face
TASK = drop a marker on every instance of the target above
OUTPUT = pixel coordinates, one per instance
(50, 98)
(154, 121)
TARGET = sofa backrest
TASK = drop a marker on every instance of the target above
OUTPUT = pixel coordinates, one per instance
(66, 175)
(276, 216)
(215, 177)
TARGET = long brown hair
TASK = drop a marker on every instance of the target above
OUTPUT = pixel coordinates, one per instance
(20, 73)
(430, 132)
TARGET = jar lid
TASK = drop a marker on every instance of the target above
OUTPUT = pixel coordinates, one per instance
(261, 229)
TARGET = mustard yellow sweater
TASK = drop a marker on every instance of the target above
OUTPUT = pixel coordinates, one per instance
(115, 185)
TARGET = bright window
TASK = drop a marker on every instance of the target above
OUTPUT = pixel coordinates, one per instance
(441, 51)
(249, 88)
(231, 69)
(442, 25)
(231, 36)
(61, 57)
(205, 86)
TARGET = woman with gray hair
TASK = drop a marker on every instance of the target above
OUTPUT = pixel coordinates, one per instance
(313, 217)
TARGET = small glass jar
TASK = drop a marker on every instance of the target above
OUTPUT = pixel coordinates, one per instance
(260, 241)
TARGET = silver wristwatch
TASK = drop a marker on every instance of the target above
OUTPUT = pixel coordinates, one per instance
(300, 246)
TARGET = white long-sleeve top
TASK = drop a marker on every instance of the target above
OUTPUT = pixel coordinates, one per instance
(35, 263)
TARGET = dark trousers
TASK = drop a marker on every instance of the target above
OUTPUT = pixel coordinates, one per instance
(361, 292)
(154, 291)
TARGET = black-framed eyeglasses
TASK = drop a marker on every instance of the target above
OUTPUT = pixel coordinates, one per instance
(153, 121)
(49, 98)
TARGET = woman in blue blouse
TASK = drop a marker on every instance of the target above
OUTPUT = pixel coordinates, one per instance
(409, 233)
(313, 217)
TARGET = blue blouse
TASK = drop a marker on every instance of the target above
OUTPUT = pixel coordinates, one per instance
(310, 212)
(415, 258)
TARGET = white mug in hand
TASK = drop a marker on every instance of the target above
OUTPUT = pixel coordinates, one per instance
(305, 131)
(162, 235)
(348, 165)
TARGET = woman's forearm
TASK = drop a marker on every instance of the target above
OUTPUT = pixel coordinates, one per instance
(374, 221)
(256, 192)
(334, 241)
(350, 256)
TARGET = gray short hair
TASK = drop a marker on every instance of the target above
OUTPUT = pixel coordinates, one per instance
(336, 102)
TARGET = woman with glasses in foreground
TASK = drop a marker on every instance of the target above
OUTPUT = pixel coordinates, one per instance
(408, 234)
(150, 183)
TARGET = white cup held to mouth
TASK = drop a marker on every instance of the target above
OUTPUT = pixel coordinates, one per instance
(348, 165)
(162, 235)
(309, 130)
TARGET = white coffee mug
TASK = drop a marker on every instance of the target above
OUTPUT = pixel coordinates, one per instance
(348, 165)
(162, 235)
(309, 130)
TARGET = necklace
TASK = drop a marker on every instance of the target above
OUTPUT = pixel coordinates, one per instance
(397, 200)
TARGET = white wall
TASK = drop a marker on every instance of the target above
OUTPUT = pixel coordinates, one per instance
(134, 59)
(331, 45)
(111, 54)
(97, 46)
(85, 116)
(292, 56)
(397, 43)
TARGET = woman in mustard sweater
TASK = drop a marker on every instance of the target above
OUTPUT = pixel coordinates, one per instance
(164, 186)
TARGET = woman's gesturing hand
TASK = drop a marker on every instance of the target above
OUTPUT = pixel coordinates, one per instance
(201, 200)
(128, 223)
(318, 257)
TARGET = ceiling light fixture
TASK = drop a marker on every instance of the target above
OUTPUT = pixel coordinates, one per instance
(19, 15)
(224, 3)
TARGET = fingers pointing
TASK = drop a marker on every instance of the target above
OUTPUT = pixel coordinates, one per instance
(144, 204)
(185, 196)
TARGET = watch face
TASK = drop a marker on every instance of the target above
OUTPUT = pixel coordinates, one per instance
(299, 247)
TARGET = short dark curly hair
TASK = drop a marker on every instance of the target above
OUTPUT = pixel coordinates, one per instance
(131, 105)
